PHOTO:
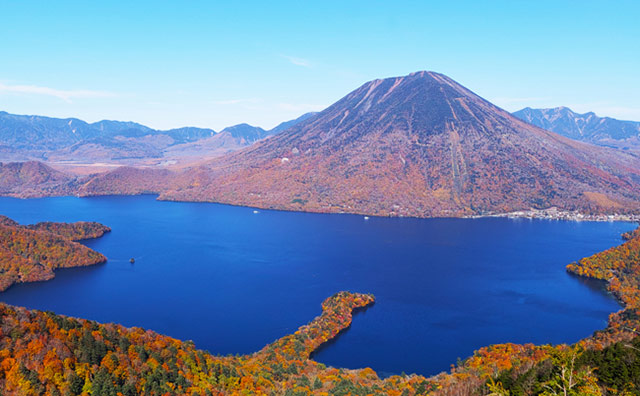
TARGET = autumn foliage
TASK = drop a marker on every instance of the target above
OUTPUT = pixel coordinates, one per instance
(44, 353)
(31, 253)
(620, 267)
(73, 231)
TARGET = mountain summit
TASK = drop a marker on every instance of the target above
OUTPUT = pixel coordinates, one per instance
(419, 145)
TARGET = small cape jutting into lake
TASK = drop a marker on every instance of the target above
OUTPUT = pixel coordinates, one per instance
(31, 253)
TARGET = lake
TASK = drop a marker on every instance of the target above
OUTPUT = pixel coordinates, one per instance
(233, 280)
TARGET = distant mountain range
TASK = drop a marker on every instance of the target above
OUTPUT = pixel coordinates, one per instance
(252, 134)
(420, 145)
(54, 139)
(588, 127)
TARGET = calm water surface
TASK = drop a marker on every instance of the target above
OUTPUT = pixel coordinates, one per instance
(233, 281)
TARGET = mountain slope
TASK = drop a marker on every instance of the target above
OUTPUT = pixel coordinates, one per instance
(288, 124)
(51, 133)
(30, 179)
(25, 138)
(34, 178)
(419, 145)
(53, 139)
(229, 139)
(586, 127)
(247, 133)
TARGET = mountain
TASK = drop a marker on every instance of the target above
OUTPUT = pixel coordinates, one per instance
(54, 139)
(29, 179)
(51, 133)
(229, 139)
(219, 144)
(24, 138)
(108, 128)
(246, 132)
(419, 145)
(252, 133)
(588, 127)
(125, 180)
(188, 134)
(288, 124)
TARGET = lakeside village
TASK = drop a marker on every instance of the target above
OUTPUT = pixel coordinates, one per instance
(554, 213)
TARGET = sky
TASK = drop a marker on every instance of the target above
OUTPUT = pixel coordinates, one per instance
(219, 63)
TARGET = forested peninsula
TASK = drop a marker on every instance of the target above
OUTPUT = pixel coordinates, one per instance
(31, 253)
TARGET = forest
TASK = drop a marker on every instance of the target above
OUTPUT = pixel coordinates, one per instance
(31, 253)
(44, 353)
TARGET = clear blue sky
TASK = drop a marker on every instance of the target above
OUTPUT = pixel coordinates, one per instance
(214, 64)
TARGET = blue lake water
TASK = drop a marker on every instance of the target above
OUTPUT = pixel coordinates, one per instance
(233, 281)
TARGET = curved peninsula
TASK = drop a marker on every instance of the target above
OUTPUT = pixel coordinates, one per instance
(47, 353)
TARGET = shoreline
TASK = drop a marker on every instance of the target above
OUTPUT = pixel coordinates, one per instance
(556, 214)
(293, 353)
(552, 213)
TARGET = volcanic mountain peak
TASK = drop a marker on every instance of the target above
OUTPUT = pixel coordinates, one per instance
(413, 108)
(420, 104)
(419, 145)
